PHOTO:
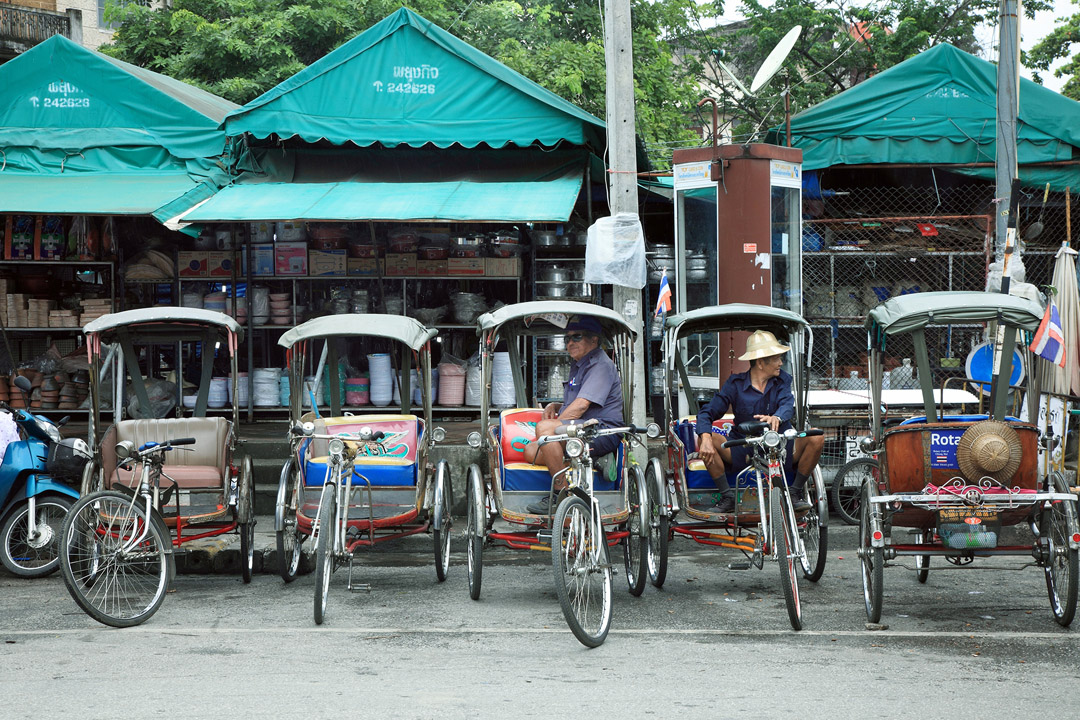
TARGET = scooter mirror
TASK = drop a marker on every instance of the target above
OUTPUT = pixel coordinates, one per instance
(23, 384)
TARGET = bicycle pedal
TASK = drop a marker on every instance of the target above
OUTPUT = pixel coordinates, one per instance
(544, 537)
(740, 565)
(359, 587)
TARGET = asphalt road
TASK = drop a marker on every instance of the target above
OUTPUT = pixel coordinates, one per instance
(712, 642)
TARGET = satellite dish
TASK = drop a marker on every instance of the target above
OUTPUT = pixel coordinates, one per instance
(776, 59)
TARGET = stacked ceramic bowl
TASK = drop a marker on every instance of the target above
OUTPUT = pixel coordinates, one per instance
(381, 379)
(280, 308)
(214, 301)
(265, 387)
(260, 305)
(502, 381)
(219, 392)
(191, 300)
(243, 388)
(451, 384)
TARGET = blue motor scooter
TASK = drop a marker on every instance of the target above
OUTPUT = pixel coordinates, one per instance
(37, 475)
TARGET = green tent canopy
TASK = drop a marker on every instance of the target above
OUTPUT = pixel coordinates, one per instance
(406, 81)
(938, 108)
(83, 133)
(460, 185)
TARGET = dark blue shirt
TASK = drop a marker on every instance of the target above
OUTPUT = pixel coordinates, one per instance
(595, 378)
(745, 401)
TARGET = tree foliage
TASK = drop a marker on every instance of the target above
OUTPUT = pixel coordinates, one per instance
(1058, 45)
(240, 48)
(842, 44)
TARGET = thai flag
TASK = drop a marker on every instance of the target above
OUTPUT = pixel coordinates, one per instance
(663, 303)
(1049, 340)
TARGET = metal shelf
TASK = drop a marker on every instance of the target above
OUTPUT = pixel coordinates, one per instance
(58, 263)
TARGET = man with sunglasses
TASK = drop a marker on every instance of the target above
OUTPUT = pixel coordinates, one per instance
(593, 390)
(761, 393)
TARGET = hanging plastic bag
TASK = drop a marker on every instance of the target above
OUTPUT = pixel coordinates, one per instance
(615, 254)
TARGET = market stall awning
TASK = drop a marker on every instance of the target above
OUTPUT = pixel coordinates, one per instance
(59, 95)
(82, 133)
(937, 108)
(91, 193)
(402, 184)
(408, 81)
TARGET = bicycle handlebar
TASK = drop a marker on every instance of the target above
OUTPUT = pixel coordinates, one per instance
(789, 434)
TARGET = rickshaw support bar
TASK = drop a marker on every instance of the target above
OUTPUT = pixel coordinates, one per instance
(371, 540)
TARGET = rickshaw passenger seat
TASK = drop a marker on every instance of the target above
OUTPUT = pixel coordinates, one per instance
(401, 439)
(516, 430)
(205, 465)
(955, 418)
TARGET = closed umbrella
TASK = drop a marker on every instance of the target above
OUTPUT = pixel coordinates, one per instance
(1065, 380)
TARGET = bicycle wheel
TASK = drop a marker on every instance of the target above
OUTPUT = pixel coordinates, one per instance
(1058, 520)
(781, 517)
(582, 571)
(39, 555)
(115, 580)
(245, 516)
(873, 562)
(324, 549)
(846, 489)
(922, 562)
(659, 524)
(815, 534)
(289, 538)
(474, 527)
(636, 545)
(444, 499)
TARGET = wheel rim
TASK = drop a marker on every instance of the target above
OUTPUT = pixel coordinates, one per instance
(447, 524)
(1058, 566)
(586, 576)
(811, 535)
(42, 552)
(118, 583)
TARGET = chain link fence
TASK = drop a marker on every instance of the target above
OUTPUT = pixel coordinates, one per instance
(863, 245)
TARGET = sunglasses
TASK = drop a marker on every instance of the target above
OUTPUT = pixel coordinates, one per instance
(574, 337)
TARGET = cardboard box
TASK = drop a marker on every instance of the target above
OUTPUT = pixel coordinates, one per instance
(430, 267)
(465, 266)
(290, 258)
(398, 264)
(19, 237)
(262, 259)
(365, 267)
(502, 267)
(191, 263)
(219, 263)
(327, 262)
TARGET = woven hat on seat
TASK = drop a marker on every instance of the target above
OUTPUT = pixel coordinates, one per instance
(989, 449)
(762, 343)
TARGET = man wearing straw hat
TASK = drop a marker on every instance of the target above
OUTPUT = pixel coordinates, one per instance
(761, 393)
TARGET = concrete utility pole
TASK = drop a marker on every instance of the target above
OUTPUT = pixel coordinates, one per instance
(622, 178)
(1008, 104)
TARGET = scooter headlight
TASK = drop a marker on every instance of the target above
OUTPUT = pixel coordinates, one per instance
(574, 447)
(52, 431)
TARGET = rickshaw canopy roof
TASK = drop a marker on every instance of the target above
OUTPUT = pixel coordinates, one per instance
(392, 327)
(164, 323)
(915, 311)
(735, 316)
(611, 321)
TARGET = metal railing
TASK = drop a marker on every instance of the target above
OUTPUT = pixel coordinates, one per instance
(27, 26)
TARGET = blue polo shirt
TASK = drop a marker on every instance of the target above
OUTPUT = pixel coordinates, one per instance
(595, 378)
(745, 401)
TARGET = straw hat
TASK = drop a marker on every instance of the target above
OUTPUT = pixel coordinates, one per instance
(762, 343)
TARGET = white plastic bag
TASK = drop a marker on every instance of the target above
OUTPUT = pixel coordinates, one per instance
(615, 254)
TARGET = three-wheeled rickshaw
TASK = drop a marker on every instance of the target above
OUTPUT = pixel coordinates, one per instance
(765, 523)
(354, 479)
(154, 482)
(604, 504)
(956, 483)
